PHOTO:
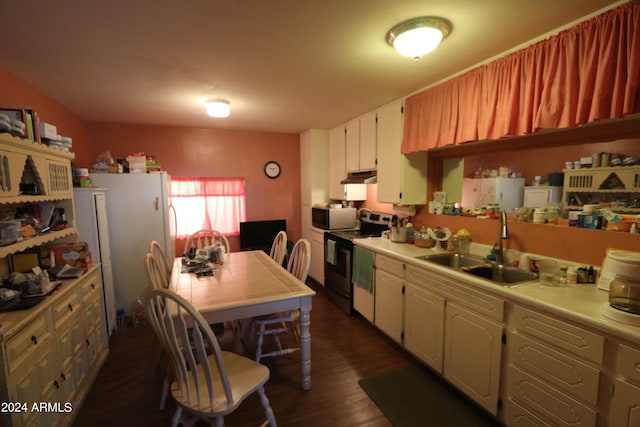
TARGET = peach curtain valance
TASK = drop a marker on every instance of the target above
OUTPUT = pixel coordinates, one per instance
(587, 73)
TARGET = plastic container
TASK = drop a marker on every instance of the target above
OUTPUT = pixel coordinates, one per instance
(539, 215)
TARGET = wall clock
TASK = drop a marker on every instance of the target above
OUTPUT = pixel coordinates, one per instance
(272, 169)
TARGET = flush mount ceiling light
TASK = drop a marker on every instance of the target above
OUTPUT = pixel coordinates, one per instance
(218, 108)
(419, 36)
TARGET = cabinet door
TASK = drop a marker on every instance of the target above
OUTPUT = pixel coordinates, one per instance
(401, 178)
(424, 325)
(389, 304)
(317, 256)
(352, 147)
(473, 347)
(337, 169)
(625, 406)
(389, 156)
(368, 141)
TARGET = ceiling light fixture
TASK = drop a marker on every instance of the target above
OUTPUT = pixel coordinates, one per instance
(218, 108)
(419, 36)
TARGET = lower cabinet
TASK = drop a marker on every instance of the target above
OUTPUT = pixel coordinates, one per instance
(317, 255)
(389, 302)
(625, 405)
(424, 325)
(51, 361)
(456, 330)
(553, 370)
(472, 355)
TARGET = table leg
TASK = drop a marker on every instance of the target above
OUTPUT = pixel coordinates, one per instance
(305, 346)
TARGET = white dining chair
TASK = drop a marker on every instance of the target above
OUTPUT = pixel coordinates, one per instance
(284, 322)
(208, 383)
(158, 252)
(279, 247)
(156, 273)
(204, 238)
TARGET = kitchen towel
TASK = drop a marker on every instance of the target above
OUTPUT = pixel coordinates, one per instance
(331, 252)
(362, 275)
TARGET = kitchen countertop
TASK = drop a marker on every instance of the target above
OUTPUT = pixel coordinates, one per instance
(582, 303)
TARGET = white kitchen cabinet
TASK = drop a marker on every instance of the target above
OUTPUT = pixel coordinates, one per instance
(361, 143)
(472, 355)
(54, 351)
(337, 169)
(457, 330)
(352, 145)
(541, 196)
(314, 166)
(317, 255)
(389, 298)
(507, 192)
(402, 179)
(314, 187)
(553, 369)
(337, 162)
(625, 405)
(424, 325)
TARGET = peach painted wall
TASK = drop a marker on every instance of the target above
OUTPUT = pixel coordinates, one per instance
(210, 152)
(15, 92)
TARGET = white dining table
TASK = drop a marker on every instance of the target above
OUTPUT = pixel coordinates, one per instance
(248, 284)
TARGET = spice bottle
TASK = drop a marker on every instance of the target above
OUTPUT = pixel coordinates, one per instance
(572, 275)
(563, 273)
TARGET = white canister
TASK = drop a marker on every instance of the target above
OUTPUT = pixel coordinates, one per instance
(539, 215)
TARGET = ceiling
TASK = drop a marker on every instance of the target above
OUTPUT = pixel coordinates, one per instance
(285, 65)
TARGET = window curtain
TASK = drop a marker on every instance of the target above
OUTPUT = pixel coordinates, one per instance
(587, 73)
(203, 203)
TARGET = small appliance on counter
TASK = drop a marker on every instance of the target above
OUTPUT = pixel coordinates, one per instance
(333, 219)
(621, 277)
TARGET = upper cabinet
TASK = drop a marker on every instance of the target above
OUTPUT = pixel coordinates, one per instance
(34, 174)
(361, 139)
(402, 179)
(314, 166)
(338, 171)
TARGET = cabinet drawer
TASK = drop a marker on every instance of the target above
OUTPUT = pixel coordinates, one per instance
(516, 415)
(546, 402)
(579, 341)
(554, 367)
(628, 363)
(65, 308)
(482, 303)
(390, 265)
(89, 287)
(26, 342)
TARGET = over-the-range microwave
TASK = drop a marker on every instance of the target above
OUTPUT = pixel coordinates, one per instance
(333, 219)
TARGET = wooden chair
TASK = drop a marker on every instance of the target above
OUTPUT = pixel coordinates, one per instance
(279, 247)
(206, 237)
(165, 264)
(156, 273)
(209, 383)
(298, 265)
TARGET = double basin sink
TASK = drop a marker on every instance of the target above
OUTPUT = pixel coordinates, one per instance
(496, 273)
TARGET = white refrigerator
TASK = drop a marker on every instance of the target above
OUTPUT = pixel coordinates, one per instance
(93, 228)
(507, 192)
(138, 209)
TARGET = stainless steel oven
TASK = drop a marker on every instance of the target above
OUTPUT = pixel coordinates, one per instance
(338, 257)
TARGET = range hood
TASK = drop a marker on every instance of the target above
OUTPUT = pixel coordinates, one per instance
(362, 177)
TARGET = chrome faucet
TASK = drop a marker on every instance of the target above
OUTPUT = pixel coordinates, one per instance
(503, 234)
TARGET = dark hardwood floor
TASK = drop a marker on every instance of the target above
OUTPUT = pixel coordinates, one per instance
(343, 350)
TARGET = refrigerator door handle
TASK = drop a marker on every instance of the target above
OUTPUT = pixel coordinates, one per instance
(157, 202)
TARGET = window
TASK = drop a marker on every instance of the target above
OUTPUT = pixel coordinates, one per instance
(217, 203)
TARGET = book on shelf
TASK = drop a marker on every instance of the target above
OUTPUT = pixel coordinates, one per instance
(28, 117)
